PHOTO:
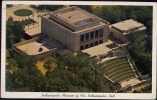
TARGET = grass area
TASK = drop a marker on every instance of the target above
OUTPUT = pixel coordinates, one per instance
(117, 67)
(109, 61)
(120, 63)
(113, 61)
(23, 12)
(40, 66)
(117, 72)
(121, 74)
(124, 77)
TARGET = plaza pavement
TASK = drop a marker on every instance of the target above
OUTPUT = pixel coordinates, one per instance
(130, 82)
(31, 30)
(99, 49)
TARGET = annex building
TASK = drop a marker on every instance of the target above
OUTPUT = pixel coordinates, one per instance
(120, 29)
(75, 28)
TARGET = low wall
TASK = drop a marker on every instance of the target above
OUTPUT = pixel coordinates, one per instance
(76, 26)
(25, 42)
(18, 51)
(133, 64)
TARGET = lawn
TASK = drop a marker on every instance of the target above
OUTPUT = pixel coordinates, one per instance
(40, 66)
(124, 76)
(114, 73)
(23, 12)
(111, 66)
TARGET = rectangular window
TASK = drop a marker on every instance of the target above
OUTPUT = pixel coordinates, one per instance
(96, 34)
(82, 38)
(91, 35)
(101, 32)
(87, 36)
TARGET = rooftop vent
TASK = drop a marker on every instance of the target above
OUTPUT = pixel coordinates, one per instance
(40, 49)
(69, 17)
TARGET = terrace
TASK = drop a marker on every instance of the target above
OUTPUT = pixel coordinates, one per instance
(100, 49)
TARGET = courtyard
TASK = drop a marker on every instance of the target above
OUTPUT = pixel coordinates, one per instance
(32, 29)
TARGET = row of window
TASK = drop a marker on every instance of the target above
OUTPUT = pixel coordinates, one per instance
(85, 37)
(91, 44)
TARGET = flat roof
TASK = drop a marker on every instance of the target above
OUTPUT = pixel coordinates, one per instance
(127, 25)
(74, 16)
(90, 28)
(99, 49)
(32, 48)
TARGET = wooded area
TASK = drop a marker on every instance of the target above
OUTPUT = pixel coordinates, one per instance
(70, 75)
(14, 32)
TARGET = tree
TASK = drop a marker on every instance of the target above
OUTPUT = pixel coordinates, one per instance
(148, 45)
(49, 7)
(15, 80)
(25, 60)
(110, 13)
(140, 47)
(48, 64)
(12, 65)
(15, 31)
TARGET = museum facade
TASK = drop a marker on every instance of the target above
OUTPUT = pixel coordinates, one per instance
(75, 28)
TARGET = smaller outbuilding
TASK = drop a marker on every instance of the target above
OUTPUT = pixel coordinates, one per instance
(120, 29)
(36, 48)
